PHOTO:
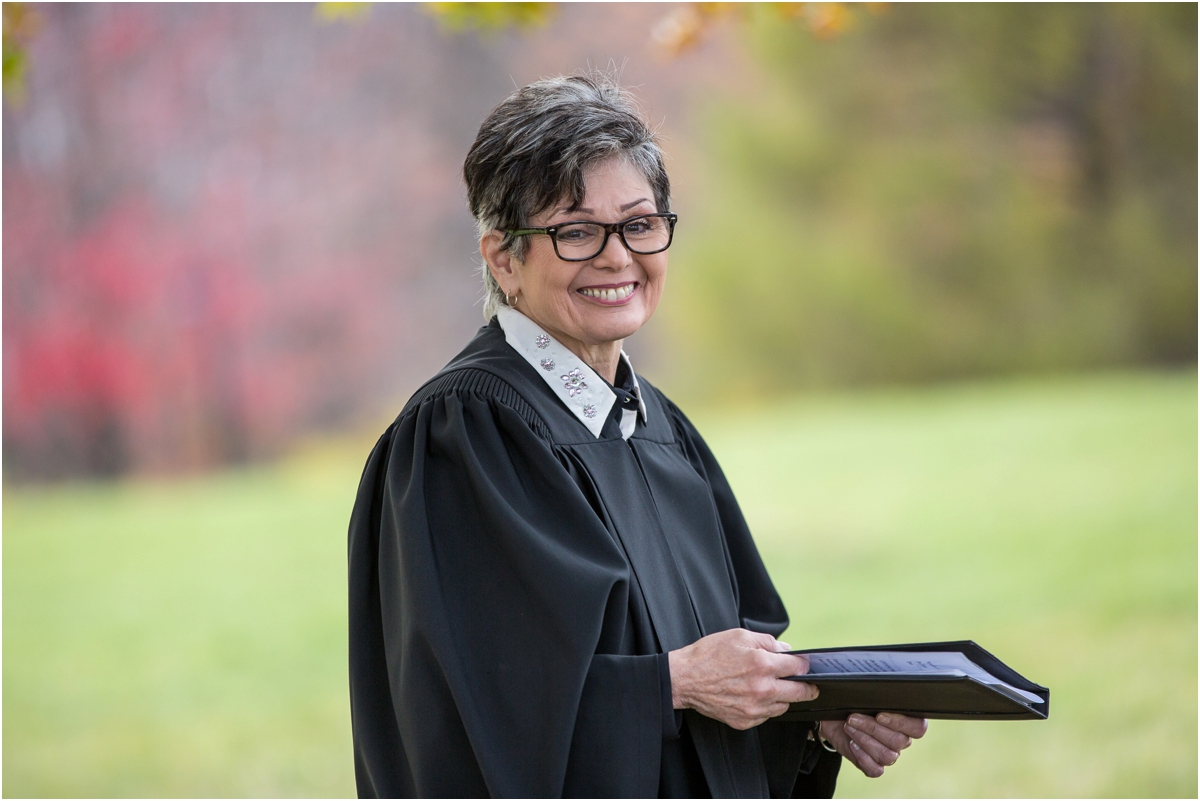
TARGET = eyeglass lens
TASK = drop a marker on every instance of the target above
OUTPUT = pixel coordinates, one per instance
(642, 235)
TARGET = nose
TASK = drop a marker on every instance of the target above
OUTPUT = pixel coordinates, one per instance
(614, 256)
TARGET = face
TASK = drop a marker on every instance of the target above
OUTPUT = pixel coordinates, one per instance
(591, 303)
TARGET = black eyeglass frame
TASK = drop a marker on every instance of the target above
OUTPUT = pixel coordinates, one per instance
(617, 228)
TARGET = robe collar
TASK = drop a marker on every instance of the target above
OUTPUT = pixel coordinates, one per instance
(578, 386)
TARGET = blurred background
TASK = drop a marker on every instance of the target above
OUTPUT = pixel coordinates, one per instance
(933, 301)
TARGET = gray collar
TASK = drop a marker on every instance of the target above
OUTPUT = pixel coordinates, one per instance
(578, 386)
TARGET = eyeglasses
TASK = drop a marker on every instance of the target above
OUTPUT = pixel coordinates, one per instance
(580, 240)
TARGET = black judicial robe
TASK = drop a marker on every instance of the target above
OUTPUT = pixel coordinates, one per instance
(515, 583)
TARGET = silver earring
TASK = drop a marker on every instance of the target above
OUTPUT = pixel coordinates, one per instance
(511, 301)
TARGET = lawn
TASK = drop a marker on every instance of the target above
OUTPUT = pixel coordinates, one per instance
(187, 637)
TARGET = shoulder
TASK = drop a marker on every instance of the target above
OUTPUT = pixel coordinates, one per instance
(478, 383)
(681, 429)
(487, 374)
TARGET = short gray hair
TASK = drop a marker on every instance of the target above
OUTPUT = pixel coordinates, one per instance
(533, 149)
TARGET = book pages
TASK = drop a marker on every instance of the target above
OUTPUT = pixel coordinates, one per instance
(922, 663)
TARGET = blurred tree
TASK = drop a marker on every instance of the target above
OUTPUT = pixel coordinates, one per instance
(331, 12)
(679, 30)
(488, 17)
(229, 218)
(20, 25)
(689, 24)
(955, 190)
(218, 237)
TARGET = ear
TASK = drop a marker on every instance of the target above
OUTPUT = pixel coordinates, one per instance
(500, 262)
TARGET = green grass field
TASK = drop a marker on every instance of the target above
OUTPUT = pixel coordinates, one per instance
(187, 638)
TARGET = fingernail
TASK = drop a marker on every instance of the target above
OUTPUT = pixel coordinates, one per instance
(884, 718)
(856, 720)
(855, 746)
(850, 729)
(783, 645)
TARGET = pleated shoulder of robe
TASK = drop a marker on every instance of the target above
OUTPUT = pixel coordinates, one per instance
(515, 582)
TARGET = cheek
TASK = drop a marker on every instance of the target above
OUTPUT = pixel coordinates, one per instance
(656, 279)
(540, 277)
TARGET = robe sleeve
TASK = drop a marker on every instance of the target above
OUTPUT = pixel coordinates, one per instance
(481, 581)
(797, 767)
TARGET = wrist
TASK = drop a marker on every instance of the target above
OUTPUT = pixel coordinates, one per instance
(677, 661)
(819, 735)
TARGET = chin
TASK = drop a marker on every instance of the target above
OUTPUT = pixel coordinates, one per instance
(600, 324)
(612, 330)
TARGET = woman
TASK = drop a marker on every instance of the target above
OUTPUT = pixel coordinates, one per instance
(552, 589)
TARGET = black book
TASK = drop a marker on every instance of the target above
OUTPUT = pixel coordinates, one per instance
(945, 680)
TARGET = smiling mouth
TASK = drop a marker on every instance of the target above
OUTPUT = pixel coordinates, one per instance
(613, 294)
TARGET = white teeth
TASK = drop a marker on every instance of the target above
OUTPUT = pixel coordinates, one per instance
(619, 293)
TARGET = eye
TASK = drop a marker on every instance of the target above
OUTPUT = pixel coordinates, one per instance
(643, 226)
(576, 234)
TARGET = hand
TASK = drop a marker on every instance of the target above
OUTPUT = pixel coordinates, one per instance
(735, 677)
(873, 743)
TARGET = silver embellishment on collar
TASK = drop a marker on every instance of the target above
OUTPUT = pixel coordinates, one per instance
(547, 364)
(574, 382)
(535, 345)
(589, 411)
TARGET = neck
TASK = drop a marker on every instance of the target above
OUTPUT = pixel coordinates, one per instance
(602, 358)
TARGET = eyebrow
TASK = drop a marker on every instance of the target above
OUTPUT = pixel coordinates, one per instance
(585, 210)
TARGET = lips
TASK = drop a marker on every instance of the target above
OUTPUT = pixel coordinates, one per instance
(609, 294)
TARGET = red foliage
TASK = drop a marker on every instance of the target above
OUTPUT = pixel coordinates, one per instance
(229, 224)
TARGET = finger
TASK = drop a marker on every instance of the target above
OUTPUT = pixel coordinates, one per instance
(751, 722)
(778, 709)
(785, 665)
(796, 691)
(880, 753)
(868, 766)
(769, 643)
(911, 727)
(895, 740)
(758, 639)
